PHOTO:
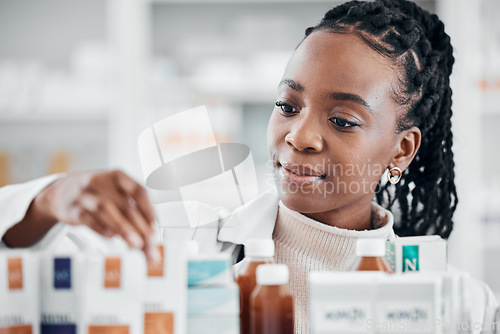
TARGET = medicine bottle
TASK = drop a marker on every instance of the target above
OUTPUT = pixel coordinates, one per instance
(371, 253)
(271, 305)
(257, 252)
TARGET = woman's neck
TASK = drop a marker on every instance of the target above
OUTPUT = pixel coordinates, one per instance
(354, 217)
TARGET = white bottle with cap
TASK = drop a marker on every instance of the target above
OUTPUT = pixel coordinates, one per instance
(271, 305)
(257, 252)
(371, 255)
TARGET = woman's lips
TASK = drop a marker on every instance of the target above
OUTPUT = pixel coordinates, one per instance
(299, 175)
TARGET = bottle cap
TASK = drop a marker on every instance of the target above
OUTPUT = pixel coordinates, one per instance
(272, 274)
(259, 248)
(192, 248)
(370, 247)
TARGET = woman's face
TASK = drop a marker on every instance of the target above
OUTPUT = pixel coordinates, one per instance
(332, 134)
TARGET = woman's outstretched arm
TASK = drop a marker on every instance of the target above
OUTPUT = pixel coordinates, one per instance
(109, 202)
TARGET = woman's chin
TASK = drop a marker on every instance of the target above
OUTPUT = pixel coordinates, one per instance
(301, 202)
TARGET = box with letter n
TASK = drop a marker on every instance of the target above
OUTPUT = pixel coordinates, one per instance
(422, 253)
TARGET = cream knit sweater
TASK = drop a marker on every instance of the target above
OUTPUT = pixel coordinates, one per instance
(307, 245)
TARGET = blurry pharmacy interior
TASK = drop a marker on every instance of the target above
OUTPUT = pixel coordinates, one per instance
(80, 80)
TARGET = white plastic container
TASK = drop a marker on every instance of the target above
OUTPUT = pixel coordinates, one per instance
(165, 292)
(19, 292)
(343, 301)
(375, 302)
(410, 304)
(62, 298)
(114, 293)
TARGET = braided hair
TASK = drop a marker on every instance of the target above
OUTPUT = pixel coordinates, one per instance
(415, 41)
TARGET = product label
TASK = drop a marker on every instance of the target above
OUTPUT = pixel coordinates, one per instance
(405, 317)
(159, 323)
(156, 269)
(410, 258)
(345, 316)
(108, 329)
(390, 254)
(201, 271)
(58, 329)
(62, 273)
(17, 329)
(112, 273)
(15, 273)
(213, 300)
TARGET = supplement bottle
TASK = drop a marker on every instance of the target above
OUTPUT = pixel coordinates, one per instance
(257, 252)
(371, 255)
(271, 305)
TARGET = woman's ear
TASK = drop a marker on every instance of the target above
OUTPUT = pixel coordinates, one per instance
(408, 146)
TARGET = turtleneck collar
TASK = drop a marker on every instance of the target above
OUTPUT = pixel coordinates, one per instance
(332, 246)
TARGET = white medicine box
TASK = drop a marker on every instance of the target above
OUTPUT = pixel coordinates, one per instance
(422, 253)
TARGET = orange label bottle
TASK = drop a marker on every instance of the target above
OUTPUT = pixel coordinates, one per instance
(257, 252)
(371, 256)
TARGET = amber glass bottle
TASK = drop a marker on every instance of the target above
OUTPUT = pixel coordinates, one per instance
(371, 255)
(257, 252)
(271, 305)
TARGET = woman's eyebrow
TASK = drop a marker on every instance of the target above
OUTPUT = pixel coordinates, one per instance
(350, 97)
(292, 84)
(335, 95)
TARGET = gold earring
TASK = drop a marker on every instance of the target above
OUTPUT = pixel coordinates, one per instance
(394, 178)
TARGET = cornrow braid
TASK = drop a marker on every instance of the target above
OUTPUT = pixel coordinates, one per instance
(416, 43)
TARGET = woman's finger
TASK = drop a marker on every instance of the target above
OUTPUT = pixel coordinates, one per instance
(99, 228)
(129, 209)
(152, 253)
(117, 222)
(134, 190)
(137, 220)
(108, 214)
(84, 217)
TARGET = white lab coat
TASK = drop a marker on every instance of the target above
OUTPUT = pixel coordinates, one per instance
(256, 219)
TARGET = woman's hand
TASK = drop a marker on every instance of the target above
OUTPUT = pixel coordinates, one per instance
(109, 202)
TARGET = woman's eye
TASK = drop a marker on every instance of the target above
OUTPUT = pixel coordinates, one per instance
(286, 108)
(343, 123)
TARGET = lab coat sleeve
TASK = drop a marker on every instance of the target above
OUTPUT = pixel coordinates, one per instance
(481, 302)
(483, 305)
(15, 200)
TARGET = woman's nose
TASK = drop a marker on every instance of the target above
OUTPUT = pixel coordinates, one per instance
(305, 137)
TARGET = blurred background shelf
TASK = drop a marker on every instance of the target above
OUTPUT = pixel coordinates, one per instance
(52, 117)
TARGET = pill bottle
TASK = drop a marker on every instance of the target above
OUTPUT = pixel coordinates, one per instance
(271, 304)
(371, 255)
(257, 252)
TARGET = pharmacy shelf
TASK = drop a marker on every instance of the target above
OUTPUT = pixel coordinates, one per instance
(53, 117)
